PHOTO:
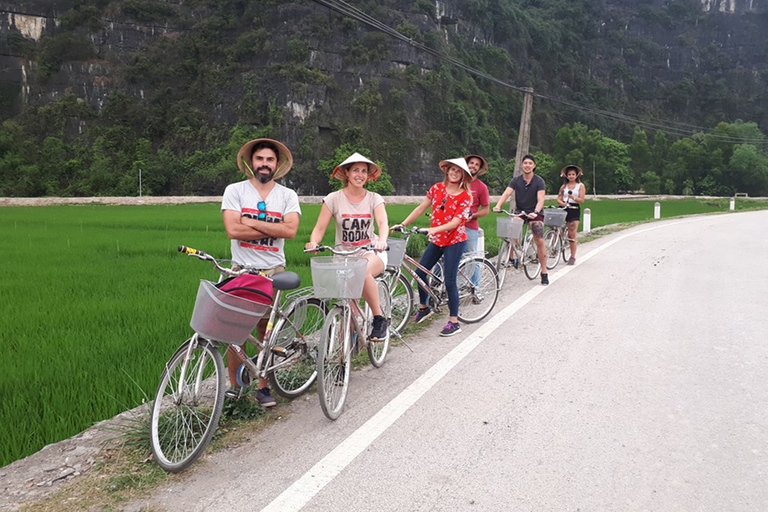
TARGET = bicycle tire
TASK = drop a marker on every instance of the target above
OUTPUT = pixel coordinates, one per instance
(293, 380)
(502, 261)
(566, 249)
(377, 350)
(334, 363)
(554, 248)
(531, 263)
(182, 425)
(476, 301)
(402, 300)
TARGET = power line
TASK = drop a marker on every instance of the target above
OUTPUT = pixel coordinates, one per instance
(684, 130)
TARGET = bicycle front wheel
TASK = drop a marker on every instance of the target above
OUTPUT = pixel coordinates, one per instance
(402, 303)
(502, 261)
(566, 249)
(478, 285)
(188, 404)
(377, 350)
(294, 361)
(531, 263)
(334, 363)
(554, 248)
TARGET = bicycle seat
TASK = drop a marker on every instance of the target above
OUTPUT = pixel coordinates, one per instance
(286, 280)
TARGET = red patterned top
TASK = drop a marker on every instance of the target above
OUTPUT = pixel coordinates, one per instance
(446, 207)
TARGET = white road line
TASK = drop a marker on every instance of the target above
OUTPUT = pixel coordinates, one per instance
(322, 473)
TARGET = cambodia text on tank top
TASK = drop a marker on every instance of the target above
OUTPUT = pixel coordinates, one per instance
(354, 221)
(243, 197)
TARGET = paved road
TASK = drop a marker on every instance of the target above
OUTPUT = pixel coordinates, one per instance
(638, 380)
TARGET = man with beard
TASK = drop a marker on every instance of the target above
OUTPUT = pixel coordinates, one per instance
(259, 214)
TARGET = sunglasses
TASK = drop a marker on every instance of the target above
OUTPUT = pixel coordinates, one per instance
(442, 206)
(262, 207)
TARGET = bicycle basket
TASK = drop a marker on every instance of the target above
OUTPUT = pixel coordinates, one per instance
(554, 217)
(396, 251)
(337, 277)
(509, 227)
(224, 317)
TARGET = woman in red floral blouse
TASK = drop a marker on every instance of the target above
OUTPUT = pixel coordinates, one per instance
(450, 201)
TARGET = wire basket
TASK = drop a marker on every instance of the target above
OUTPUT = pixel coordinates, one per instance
(223, 317)
(337, 277)
(509, 227)
(554, 217)
(396, 251)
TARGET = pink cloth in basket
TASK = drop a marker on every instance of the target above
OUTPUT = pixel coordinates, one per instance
(248, 286)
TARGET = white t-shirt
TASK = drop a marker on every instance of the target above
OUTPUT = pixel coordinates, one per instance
(354, 221)
(243, 197)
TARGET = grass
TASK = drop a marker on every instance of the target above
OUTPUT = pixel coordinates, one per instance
(96, 299)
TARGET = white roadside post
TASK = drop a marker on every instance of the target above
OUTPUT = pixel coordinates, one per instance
(733, 203)
(657, 210)
(481, 241)
(586, 225)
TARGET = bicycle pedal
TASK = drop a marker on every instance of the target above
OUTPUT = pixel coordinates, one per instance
(284, 352)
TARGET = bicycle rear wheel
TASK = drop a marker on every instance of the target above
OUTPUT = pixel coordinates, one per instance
(502, 261)
(295, 361)
(531, 263)
(334, 363)
(186, 409)
(478, 285)
(377, 350)
(402, 303)
(554, 247)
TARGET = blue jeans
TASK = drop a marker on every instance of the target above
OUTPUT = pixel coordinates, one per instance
(473, 236)
(451, 255)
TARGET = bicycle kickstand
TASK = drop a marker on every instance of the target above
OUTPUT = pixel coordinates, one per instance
(400, 337)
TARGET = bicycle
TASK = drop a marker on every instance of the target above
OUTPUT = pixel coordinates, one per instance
(401, 289)
(510, 228)
(346, 327)
(190, 398)
(556, 238)
(476, 299)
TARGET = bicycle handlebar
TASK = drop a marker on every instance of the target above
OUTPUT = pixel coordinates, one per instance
(342, 252)
(522, 214)
(189, 251)
(409, 231)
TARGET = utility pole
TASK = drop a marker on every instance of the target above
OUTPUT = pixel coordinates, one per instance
(524, 138)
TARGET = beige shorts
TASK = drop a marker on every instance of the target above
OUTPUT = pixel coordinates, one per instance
(382, 255)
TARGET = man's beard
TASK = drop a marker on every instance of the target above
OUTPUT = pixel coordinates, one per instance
(264, 178)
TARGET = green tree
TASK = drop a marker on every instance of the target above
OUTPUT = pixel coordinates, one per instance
(747, 171)
(651, 182)
(640, 153)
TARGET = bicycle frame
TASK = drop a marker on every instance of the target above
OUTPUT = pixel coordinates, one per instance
(260, 368)
(432, 294)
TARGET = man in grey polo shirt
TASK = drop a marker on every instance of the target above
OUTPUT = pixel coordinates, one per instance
(529, 192)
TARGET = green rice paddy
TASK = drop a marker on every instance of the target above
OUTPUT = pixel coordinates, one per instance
(95, 299)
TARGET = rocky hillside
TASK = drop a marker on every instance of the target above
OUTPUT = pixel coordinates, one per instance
(180, 75)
